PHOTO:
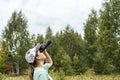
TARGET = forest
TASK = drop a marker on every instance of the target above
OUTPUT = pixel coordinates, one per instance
(97, 51)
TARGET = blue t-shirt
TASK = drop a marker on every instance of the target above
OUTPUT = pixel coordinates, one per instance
(41, 73)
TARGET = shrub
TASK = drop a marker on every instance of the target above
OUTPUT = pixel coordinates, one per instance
(1, 76)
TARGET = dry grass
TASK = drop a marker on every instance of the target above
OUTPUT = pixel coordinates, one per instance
(78, 77)
(94, 77)
(16, 78)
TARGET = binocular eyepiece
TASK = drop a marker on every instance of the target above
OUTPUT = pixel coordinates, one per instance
(44, 45)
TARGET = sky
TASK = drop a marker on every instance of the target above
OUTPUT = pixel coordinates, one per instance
(54, 13)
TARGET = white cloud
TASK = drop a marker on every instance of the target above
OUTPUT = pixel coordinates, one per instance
(56, 13)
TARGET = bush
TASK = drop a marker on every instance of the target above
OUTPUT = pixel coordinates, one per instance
(3, 70)
(57, 75)
(61, 75)
(1, 76)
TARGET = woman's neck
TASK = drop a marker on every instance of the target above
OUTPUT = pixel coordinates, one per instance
(40, 64)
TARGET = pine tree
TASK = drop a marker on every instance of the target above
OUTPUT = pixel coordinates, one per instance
(90, 38)
(76, 65)
(63, 61)
(71, 42)
(49, 33)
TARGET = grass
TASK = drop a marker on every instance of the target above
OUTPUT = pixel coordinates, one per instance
(16, 78)
(78, 77)
(94, 77)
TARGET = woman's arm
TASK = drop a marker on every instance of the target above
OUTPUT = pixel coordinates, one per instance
(48, 58)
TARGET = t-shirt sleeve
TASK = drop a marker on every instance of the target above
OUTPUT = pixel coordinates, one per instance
(46, 67)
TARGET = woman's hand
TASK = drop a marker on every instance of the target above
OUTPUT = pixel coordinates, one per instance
(48, 58)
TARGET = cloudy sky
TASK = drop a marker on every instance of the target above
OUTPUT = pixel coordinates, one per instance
(54, 13)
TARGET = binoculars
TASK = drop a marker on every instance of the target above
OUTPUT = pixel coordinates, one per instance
(44, 45)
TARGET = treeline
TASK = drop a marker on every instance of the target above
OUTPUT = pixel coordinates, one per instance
(98, 50)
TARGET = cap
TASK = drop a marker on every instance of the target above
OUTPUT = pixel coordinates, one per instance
(31, 53)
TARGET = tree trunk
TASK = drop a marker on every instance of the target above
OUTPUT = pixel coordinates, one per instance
(17, 68)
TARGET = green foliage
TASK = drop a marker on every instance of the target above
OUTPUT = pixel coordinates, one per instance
(40, 38)
(51, 49)
(76, 65)
(49, 33)
(79, 66)
(107, 37)
(61, 75)
(99, 64)
(1, 76)
(63, 61)
(16, 37)
(90, 38)
(71, 42)
(98, 52)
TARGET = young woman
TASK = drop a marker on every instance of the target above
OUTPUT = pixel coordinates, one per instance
(39, 62)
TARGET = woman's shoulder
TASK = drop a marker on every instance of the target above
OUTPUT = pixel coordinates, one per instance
(46, 67)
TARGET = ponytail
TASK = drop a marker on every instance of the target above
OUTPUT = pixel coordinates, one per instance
(31, 70)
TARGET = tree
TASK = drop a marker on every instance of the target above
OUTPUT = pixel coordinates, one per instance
(49, 33)
(115, 14)
(17, 38)
(71, 42)
(76, 65)
(108, 36)
(3, 57)
(90, 38)
(62, 61)
(52, 49)
(40, 38)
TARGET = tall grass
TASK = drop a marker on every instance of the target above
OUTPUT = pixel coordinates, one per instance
(55, 76)
(93, 77)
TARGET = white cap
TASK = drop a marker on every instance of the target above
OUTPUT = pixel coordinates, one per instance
(31, 53)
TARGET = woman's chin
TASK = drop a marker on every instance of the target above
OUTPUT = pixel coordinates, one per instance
(41, 59)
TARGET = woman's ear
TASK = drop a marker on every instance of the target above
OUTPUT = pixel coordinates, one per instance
(37, 57)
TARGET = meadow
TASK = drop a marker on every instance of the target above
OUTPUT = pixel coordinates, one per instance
(78, 77)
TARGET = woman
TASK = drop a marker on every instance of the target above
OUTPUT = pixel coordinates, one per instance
(38, 68)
